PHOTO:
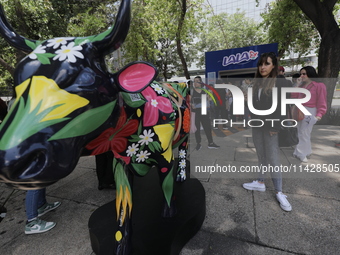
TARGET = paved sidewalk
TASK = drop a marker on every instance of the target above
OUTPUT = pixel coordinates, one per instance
(249, 222)
(237, 221)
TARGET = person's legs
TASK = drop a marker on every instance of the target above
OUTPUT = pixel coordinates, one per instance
(34, 200)
(258, 184)
(41, 197)
(268, 154)
(207, 127)
(109, 178)
(198, 117)
(104, 170)
(258, 140)
(272, 151)
(36, 206)
(246, 114)
(305, 127)
(231, 112)
(100, 160)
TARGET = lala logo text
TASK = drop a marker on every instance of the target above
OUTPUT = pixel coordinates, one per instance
(245, 56)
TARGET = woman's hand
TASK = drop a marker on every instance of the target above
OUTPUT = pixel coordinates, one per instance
(318, 118)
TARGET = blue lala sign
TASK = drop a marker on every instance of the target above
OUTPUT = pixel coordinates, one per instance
(237, 58)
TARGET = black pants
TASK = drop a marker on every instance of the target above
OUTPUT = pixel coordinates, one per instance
(104, 168)
(205, 120)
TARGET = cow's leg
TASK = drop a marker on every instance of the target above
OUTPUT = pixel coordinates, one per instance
(166, 176)
(123, 178)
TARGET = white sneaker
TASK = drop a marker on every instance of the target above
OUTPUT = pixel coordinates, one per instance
(255, 185)
(38, 226)
(284, 204)
(303, 160)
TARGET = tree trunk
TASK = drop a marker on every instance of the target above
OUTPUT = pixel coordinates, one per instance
(329, 64)
(178, 39)
(320, 13)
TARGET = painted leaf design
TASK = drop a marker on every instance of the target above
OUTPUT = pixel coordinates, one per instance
(45, 58)
(167, 186)
(86, 122)
(31, 44)
(141, 169)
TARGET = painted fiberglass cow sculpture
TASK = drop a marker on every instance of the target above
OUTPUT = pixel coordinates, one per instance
(67, 105)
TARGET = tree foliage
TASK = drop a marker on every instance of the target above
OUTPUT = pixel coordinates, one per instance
(226, 31)
(323, 15)
(286, 24)
(162, 33)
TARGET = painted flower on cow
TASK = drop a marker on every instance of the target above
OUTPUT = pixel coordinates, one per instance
(115, 138)
(69, 52)
(146, 137)
(182, 153)
(153, 105)
(182, 163)
(182, 175)
(56, 42)
(157, 88)
(39, 50)
(132, 150)
(142, 156)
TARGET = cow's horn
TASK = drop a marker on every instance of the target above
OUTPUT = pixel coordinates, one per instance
(120, 30)
(12, 37)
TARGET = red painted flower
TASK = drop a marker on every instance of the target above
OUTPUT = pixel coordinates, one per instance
(114, 139)
(153, 104)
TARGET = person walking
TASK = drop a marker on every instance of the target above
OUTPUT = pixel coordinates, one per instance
(317, 106)
(199, 117)
(37, 206)
(265, 137)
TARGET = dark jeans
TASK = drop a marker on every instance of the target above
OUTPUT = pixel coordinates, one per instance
(34, 200)
(205, 120)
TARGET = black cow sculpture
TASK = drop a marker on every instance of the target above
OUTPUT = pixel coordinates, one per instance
(68, 105)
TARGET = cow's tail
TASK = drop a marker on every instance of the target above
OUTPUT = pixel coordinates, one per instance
(179, 93)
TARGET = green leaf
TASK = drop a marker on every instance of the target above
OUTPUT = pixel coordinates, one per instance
(134, 138)
(81, 40)
(85, 123)
(151, 147)
(25, 123)
(101, 36)
(30, 44)
(43, 59)
(151, 160)
(140, 128)
(141, 169)
(157, 145)
(180, 142)
(168, 186)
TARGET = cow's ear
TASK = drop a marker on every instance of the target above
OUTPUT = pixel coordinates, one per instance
(136, 76)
